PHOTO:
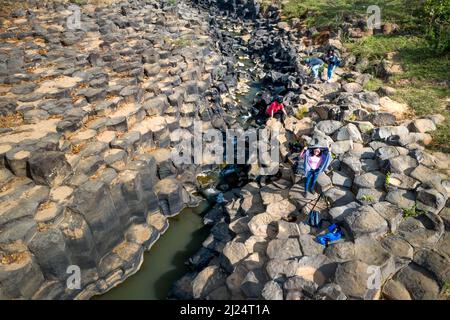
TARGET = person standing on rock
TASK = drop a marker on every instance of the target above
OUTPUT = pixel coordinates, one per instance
(276, 109)
(317, 160)
(333, 61)
(315, 64)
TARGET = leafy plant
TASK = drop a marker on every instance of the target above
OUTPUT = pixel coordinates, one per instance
(182, 42)
(446, 290)
(301, 113)
(352, 117)
(411, 212)
(436, 14)
(367, 197)
(79, 2)
(387, 180)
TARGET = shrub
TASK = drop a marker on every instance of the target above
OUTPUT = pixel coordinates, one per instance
(436, 17)
(301, 113)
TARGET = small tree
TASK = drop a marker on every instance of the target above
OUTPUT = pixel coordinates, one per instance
(436, 14)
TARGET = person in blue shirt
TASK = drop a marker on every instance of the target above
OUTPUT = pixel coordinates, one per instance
(333, 61)
(315, 64)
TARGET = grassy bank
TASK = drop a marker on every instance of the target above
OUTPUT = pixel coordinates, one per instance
(424, 82)
(332, 12)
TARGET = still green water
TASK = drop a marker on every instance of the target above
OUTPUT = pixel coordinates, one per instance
(164, 263)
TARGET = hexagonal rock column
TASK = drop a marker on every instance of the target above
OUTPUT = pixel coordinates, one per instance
(21, 277)
(94, 202)
(353, 277)
(49, 168)
(49, 248)
(170, 195)
(131, 189)
(366, 221)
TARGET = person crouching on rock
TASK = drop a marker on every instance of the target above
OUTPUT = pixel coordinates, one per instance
(313, 164)
(276, 110)
(333, 61)
(315, 64)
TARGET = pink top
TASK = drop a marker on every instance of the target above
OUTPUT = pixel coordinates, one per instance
(314, 162)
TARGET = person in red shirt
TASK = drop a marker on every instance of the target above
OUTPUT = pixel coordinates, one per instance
(276, 109)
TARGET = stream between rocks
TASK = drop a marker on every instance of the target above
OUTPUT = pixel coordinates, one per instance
(164, 263)
(168, 259)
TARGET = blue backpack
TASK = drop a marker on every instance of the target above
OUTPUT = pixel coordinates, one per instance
(314, 219)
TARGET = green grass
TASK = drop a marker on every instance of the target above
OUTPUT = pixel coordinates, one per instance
(373, 84)
(411, 212)
(446, 290)
(79, 2)
(332, 12)
(423, 84)
(387, 180)
(180, 42)
(417, 58)
(367, 197)
(301, 113)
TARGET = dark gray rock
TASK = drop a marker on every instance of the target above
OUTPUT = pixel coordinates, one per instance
(419, 282)
(404, 199)
(370, 251)
(366, 221)
(390, 212)
(400, 249)
(278, 269)
(309, 246)
(308, 288)
(50, 250)
(353, 277)
(330, 291)
(374, 179)
(369, 196)
(339, 196)
(402, 164)
(348, 132)
(207, 280)
(423, 231)
(435, 262)
(23, 280)
(341, 251)
(429, 199)
(382, 119)
(283, 249)
(94, 202)
(253, 283)
(272, 291)
(329, 126)
(341, 179)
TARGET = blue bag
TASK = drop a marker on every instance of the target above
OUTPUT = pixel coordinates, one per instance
(334, 234)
